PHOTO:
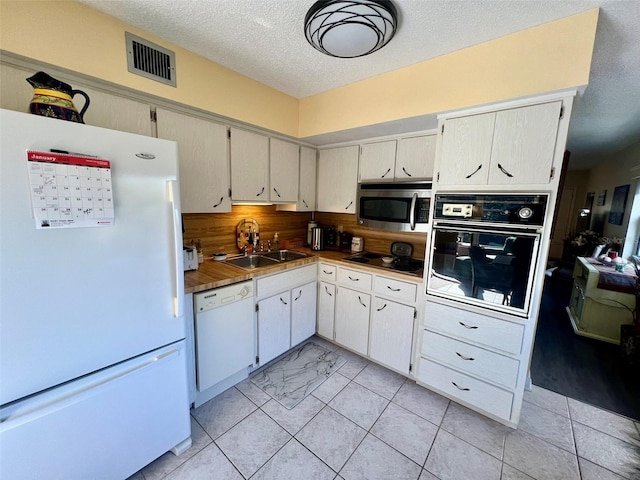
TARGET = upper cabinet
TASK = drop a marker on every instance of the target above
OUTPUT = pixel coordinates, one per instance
(416, 157)
(405, 159)
(508, 147)
(249, 166)
(284, 165)
(338, 179)
(307, 184)
(203, 153)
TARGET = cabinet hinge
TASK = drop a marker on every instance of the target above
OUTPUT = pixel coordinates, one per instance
(415, 314)
(562, 112)
(438, 177)
(228, 133)
(257, 307)
(552, 173)
(257, 360)
(411, 367)
(229, 193)
(442, 129)
(153, 115)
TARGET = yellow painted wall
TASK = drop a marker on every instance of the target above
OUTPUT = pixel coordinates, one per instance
(73, 36)
(550, 57)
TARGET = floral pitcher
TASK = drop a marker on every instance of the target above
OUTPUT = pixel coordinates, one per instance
(53, 98)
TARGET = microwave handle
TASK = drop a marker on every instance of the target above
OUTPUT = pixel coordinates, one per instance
(412, 212)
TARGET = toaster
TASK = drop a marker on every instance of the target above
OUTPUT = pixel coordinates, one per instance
(190, 257)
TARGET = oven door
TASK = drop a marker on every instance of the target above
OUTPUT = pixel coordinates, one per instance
(491, 267)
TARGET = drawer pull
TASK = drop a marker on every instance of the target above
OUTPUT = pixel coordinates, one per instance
(460, 388)
(470, 327)
(283, 301)
(328, 292)
(393, 289)
(327, 273)
(353, 279)
(382, 307)
(463, 357)
(350, 203)
(261, 192)
(299, 295)
(361, 302)
(385, 173)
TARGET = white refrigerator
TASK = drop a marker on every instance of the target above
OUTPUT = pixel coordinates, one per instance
(93, 369)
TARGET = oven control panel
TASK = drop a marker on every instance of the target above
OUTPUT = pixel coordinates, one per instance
(464, 210)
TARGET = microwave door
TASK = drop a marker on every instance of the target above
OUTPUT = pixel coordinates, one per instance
(412, 212)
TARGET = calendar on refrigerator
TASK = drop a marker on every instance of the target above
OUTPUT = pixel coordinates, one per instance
(70, 190)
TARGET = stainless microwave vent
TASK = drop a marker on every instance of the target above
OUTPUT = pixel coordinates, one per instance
(149, 60)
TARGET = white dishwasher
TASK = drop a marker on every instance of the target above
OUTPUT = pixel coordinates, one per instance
(225, 336)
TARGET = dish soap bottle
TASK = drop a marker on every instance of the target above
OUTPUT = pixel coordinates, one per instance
(276, 242)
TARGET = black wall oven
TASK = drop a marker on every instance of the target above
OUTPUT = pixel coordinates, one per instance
(484, 249)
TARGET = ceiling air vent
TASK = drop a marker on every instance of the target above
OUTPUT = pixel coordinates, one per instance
(150, 60)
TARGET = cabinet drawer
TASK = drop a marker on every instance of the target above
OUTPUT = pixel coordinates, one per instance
(476, 361)
(354, 278)
(474, 328)
(284, 281)
(327, 272)
(466, 389)
(390, 287)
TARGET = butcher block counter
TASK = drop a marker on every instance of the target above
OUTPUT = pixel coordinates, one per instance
(214, 274)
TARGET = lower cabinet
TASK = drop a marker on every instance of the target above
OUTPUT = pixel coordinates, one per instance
(391, 334)
(326, 309)
(286, 310)
(352, 319)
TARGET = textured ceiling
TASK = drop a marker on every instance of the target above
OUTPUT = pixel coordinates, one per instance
(264, 40)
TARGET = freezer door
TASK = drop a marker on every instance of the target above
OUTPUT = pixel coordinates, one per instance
(75, 300)
(104, 426)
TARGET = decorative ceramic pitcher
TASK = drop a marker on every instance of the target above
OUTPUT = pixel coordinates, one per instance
(53, 98)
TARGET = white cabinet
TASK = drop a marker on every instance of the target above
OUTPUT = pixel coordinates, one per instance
(377, 161)
(284, 165)
(416, 157)
(303, 312)
(307, 183)
(352, 319)
(391, 334)
(326, 309)
(338, 179)
(274, 321)
(286, 306)
(203, 153)
(249, 166)
(509, 147)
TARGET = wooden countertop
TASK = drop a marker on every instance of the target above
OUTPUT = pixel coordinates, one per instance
(214, 274)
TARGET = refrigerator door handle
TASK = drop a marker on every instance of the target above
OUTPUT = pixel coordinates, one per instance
(178, 286)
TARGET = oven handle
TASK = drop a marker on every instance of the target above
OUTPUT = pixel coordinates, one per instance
(412, 213)
(491, 227)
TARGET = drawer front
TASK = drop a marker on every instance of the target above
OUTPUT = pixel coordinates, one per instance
(355, 279)
(327, 272)
(474, 328)
(284, 281)
(476, 361)
(466, 389)
(390, 287)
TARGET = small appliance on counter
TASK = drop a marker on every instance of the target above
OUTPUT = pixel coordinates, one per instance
(317, 238)
(331, 238)
(190, 256)
(344, 242)
(310, 226)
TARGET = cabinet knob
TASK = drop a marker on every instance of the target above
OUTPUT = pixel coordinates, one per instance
(328, 292)
(504, 171)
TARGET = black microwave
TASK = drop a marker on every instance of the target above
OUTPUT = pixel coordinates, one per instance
(394, 206)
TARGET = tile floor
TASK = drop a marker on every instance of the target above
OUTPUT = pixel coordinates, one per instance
(366, 422)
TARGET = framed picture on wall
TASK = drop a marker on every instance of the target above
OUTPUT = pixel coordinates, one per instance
(618, 204)
(602, 197)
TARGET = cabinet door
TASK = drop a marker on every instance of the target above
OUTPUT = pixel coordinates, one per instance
(391, 334)
(352, 319)
(249, 166)
(274, 323)
(524, 142)
(377, 161)
(303, 312)
(338, 179)
(284, 165)
(203, 153)
(466, 150)
(416, 157)
(308, 165)
(326, 309)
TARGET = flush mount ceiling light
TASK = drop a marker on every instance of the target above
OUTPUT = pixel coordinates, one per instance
(350, 28)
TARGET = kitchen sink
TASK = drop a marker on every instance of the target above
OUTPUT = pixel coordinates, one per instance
(252, 261)
(285, 255)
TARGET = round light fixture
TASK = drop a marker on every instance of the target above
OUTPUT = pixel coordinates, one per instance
(350, 28)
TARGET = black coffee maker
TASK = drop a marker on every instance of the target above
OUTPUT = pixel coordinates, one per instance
(331, 238)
